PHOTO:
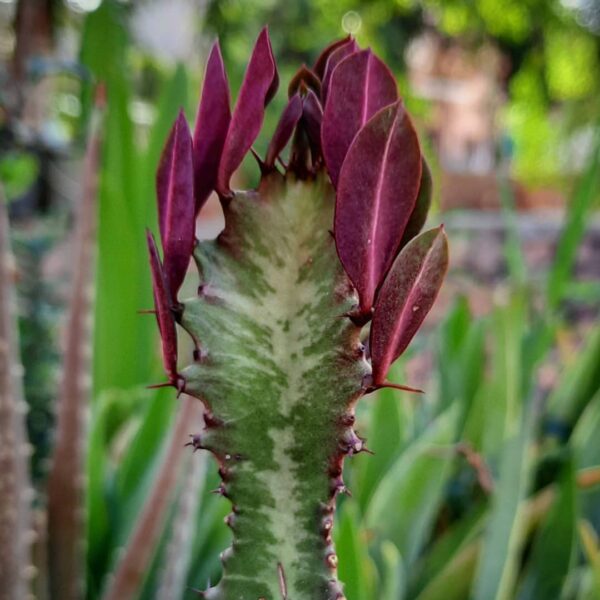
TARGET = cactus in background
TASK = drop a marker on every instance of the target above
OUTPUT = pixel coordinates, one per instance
(321, 249)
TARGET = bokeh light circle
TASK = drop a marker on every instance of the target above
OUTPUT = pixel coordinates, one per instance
(351, 22)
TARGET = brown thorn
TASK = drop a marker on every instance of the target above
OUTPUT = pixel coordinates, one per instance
(156, 386)
(394, 386)
(264, 169)
(146, 311)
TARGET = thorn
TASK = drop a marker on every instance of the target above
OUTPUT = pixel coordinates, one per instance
(156, 386)
(197, 591)
(261, 164)
(146, 311)
(221, 491)
(195, 442)
(394, 386)
(342, 489)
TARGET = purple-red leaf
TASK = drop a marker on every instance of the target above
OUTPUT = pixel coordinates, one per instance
(304, 79)
(336, 57)
(164, 316)
(312, 116)
(360, 86)
(287, 123)
(212, 124)
(258, 87)
(376, 195)
(405, 298)
(176, 205)
(321, 62)
(419, 213)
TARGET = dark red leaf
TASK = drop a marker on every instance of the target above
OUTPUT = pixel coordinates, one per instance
(319, 67)
(176, 205)
(360, 86)
(336, 57)
(405, 298)
(212, 124)
(376, 195)
(304, 78)
(419, 213)
(258, 87)
(164, 316)
(312, 116)
(287, 123)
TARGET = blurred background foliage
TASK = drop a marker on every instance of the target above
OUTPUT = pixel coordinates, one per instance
(488, 486)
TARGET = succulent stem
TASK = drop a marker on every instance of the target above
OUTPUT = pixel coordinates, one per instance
(280, 374)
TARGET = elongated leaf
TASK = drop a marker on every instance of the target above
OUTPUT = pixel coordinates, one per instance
(303, 80)
(287, 123)
(333, 60)
(135, 472)
(259, 85)
(176, 205)
(502, 545)
(66, 492)
(578, 384)
(126, 189)
(360, 86)
(419, 214)
(164, 317)
(212, 124)
(554, 545)
(377, 191)
(387, 434)
(394, 584)
(591, 547)
(454, 581)
(312, 117)
(405, 503)
(319, 66)
(406, 296)
(135, 561)
(355, 567)
(578, 209)
(446, 553)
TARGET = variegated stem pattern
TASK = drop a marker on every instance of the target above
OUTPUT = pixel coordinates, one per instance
(279, 372)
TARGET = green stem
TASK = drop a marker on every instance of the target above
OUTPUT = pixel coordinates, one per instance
(280, 368)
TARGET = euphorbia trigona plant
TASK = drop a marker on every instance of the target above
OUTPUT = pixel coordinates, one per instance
(326, 244)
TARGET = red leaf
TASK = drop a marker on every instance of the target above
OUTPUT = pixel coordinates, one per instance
(287, 123)
(176, 205)
(304, 78)
(321, 62)
(336, 57)
(164, 316)
(405, 298)
(360, 86)
(259, 86)
(212, 124)
(376, 195)
(312, 116)
(419, 213)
